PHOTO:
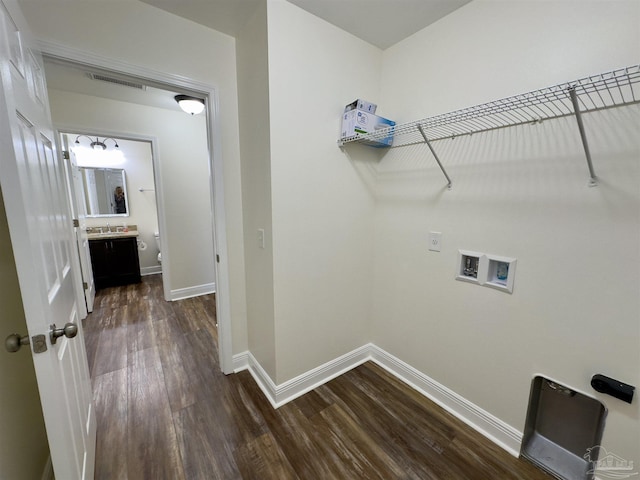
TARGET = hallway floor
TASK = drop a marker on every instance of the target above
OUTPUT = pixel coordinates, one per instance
(165, 411)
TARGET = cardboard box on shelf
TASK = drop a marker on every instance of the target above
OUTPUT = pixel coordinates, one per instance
(357, 122)
(363, 105)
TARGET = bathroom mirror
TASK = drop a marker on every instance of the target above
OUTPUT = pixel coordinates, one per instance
(105, 192)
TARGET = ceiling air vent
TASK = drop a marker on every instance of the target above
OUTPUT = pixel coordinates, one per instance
(116, 81)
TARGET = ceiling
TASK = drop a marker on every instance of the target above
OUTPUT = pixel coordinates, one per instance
(382, 23)
(379, 22)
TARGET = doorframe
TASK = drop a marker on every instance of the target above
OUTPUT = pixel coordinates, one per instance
(63, 128)
(210, 92)
(83, 309)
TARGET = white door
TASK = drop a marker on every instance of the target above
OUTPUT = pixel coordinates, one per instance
(79, 212)
(34, 191)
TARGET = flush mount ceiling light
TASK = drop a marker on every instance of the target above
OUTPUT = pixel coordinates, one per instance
(97, 144)
(190, 104)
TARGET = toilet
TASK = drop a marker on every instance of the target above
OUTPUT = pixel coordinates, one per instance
(157, 237)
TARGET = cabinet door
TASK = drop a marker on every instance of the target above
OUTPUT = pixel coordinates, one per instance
(99, 250)
(115, 261)
(124, 263)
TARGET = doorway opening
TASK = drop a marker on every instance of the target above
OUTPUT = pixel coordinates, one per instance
(97, 178)
(179, 222)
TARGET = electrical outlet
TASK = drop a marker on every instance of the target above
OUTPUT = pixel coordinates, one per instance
(261, 238)
(435, 241)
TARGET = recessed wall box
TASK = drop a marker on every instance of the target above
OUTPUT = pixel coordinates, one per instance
(488, 270)
(501, 272)
(563, 430)
(469, 266)
(363, 105)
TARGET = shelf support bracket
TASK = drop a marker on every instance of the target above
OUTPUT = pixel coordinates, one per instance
(576, 108)
(435, 155)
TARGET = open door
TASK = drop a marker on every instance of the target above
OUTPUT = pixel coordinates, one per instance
(33, 186)
(79, 212)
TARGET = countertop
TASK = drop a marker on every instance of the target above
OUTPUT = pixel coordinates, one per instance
(111, 235)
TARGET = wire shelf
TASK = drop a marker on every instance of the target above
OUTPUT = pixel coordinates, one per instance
(607, 90)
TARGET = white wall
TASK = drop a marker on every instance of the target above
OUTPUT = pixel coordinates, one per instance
(184, 174)
(520, 192)
(322, 212)
(253, 93)
(23, 440)
(149, 37)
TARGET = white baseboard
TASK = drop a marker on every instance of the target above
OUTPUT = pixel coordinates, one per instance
(263, 380)
(480, 420)
(182, 293)
(240, 362)
(150, 270)
(493, 428)
(47, 473)
(278, 395)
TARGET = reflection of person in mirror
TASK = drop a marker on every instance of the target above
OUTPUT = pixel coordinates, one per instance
(118, 196)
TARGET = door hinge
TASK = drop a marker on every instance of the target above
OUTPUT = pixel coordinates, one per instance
(217, 258)
(76, 222)
(65, 154)
(85, 285)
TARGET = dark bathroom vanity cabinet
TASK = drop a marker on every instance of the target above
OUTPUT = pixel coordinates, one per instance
(115, 261)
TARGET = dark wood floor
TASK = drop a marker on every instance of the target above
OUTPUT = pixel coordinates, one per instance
(165, 411)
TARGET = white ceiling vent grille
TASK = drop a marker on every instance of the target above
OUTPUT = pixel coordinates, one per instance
(116, 81)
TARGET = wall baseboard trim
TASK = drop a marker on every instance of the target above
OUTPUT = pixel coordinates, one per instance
(182, 293)
(263, 379)
(491, 427)
(499, 432)
(47, 473)
(278, 395)
(150, 270)
(240, 362)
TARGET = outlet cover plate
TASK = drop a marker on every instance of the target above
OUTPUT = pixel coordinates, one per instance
(435, 241)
